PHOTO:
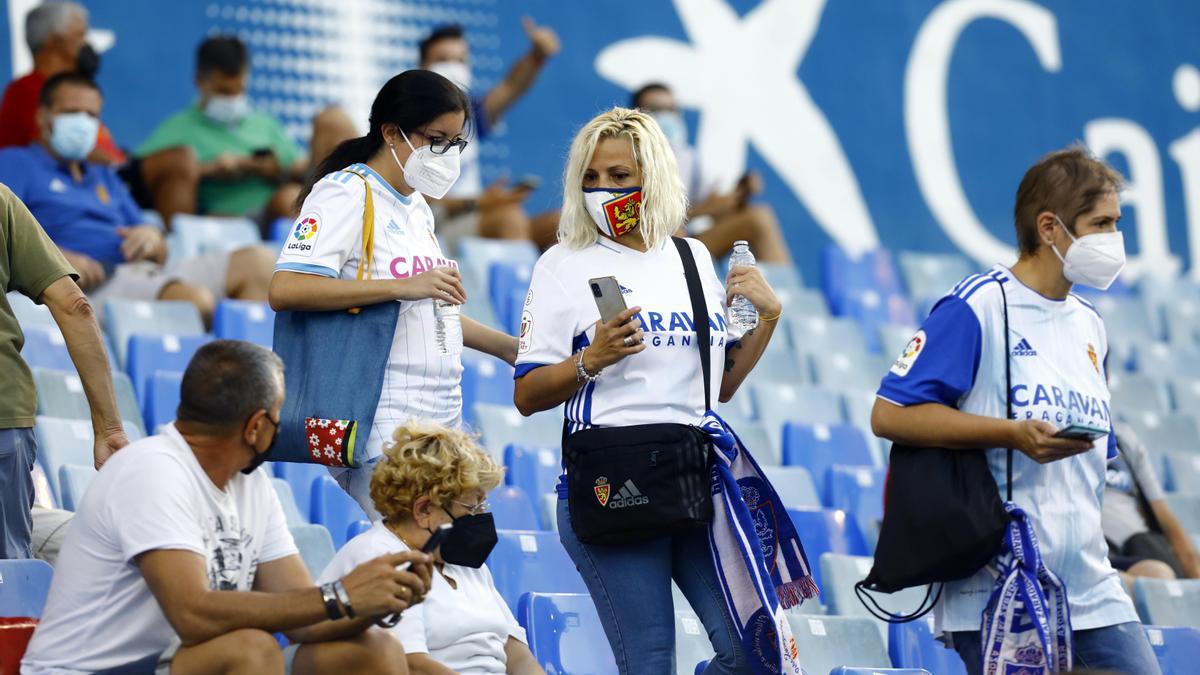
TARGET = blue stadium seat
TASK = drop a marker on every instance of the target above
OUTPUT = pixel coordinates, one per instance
(826, 531)
(858, 490)
(857, 407)
(913, 645)
(150, 353)
(533, 468)
(334, 509)
(479, 300)
(30, 314)
(193, 235)
(477, 254)
(829, 642)
(804, 302)
(509, 283)
(1172, 432)
(1174, 602)
(691, 641)
(843, 273)
(893, 338)
(1163, 360)
(757, 441)
(817, 447)
(932, 275)
(841, 572)
(1182, 321)
(503, 425)
(513, 509)
(60, 394)
(66, 441)
(777, 404)
(565, 634)
(280, 228)
(356, 528)
(781, 276)
(301, 477)
(46, 348)
(162, 397)
(24, 585)
(872, 310)
(842, 370)
(73, 480)
(821, 334)
(315, 546)
(245, 320)
(781, 364)
(287, 501)
(123, 318)
(485, 379)
(1186, 508)
(1185, 392)
(1177, 648)
(794, 485)
(1134, 394)
(532, 562)
(42, 494)
(1183, 472)
(548, 509)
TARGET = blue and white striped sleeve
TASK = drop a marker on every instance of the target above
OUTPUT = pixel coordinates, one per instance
(940, 363)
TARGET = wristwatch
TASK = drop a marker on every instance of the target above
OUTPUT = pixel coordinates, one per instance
(330, 597)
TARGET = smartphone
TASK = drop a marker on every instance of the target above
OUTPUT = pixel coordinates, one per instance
(609, 299)
(435, 540)
(1081, 432)
(529, 182)
(262, 152)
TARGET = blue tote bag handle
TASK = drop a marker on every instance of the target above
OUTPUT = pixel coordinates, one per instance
(334, 365)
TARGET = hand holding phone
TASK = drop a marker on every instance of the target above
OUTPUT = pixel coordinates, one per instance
(1081, 432)
(609, 299)
(429, 547)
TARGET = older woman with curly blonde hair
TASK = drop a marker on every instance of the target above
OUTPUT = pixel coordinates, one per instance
(432, 475)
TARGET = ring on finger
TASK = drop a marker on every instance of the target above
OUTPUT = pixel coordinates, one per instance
(629, 341)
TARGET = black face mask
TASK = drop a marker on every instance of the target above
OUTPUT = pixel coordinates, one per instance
(260, 457)
(470, 541)
(87, 61)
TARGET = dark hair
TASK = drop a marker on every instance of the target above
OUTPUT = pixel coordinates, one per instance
(50, 88)
(636, 99)
(449, 31)
(409, 100)
(1067, 183)
(227, 381)
(224, 53)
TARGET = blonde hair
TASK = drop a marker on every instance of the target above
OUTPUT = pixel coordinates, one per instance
(664, 200)
(429, 459)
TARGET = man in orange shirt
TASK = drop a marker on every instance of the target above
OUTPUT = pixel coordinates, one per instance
(57, 35)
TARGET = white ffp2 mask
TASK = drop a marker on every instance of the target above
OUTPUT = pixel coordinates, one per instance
(431, 175)
(1093, 260)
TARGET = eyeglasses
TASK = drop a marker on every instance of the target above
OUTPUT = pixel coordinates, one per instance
(473, 509)
(440, 145)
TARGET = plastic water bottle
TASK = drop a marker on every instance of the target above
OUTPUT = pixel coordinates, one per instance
(741, 313)
(447, 327)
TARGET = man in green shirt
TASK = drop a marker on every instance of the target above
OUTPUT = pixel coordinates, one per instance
(31, 264)
(248, 164)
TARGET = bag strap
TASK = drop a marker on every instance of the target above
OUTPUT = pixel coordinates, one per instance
(699, 314)
(1007, 388)
(368, 235)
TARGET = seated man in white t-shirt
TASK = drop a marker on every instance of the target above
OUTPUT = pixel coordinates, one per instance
(179, 559)
(432, 475)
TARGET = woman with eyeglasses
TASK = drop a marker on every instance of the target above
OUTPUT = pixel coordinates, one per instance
(431, 476)
(417, 128)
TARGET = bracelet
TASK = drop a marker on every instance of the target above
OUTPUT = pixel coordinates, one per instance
(344, 597)
(581, 373)
(388, 621)
(330, 598)
(772, 318)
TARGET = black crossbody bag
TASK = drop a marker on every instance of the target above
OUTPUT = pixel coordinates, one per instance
(942, 520)
(627, 485)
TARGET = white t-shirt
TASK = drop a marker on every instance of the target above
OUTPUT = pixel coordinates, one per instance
(660, 384)
(463, 628)
(420, 382)
(1058, 351)
(152, 495)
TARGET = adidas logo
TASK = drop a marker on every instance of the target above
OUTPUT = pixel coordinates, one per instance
(625, 291)
(628, 496)
(1023, 348)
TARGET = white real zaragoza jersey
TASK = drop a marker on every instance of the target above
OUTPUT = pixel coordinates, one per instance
(660, 384)
(1057, 355)
(420, 383)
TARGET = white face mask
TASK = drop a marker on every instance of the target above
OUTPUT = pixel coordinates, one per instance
(73, 135)
(1093, 260)
(431, 175)
(456, 71)
(227, 110)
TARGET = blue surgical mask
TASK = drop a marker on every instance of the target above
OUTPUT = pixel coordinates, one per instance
(227, 110)
(673, 127)
(73, 135)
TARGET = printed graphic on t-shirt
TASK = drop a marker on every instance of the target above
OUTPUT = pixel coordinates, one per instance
(227, 543)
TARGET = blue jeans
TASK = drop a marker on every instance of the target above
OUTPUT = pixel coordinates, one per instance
(1122, 648)
(357, 484)
(18, 450)
(631, 586)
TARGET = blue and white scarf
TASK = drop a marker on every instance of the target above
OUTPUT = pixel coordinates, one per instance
(1027, 623)
(759, 558)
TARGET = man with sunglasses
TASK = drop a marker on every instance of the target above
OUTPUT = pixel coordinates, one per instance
(180, 560)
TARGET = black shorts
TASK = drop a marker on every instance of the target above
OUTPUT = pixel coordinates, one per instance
(1144, 546)
(131, 175)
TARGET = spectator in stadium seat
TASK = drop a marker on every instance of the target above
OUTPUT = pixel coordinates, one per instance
(468, 208)
(32, 266)
(1144, 538)
(56, 33)
(948, 390)
(417, 122)
(179, 558)
(728, 216)
(430, 476)
(89, 213)
(248, 164)
(647, 372)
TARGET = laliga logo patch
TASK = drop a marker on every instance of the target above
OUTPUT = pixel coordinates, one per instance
(623, 213)
(304, 236)
(912, 351)
(603, 490)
